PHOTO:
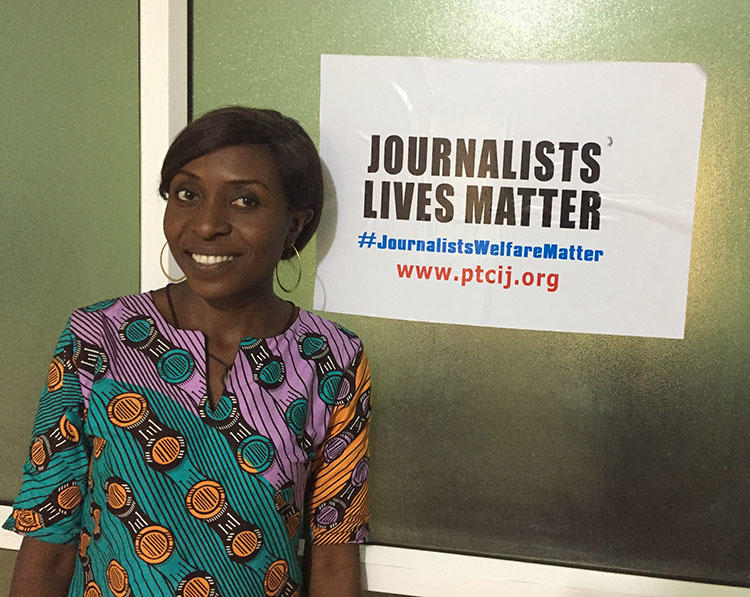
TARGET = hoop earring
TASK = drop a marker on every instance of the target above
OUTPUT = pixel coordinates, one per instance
(163, 270)
(299, 273)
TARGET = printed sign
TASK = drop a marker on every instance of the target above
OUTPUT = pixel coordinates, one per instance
(545, 196)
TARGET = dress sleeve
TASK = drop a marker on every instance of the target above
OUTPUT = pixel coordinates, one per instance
(337, 506)
(48, 507)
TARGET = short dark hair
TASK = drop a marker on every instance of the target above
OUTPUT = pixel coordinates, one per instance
(292, 149)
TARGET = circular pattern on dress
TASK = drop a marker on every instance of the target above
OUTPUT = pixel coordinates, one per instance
(154, 544)
(127, 409)
(39, 452)
(255, 454)
(275, 577)
(223, 409)
(175, 365)
(360, 534)
(99, 443)
(347, 331)
(364, 401)
(272, 373)
(83, 543)
(292, 524)
(312, 345)
(166, 451)
(27, 521)
(197, 585)
(117, 578)
(335, 447)
(138, 331)
(205, 499)
(344, 389)
(359, 474)
(118, 496)
(96, 515)
(327, 515)
(68, 430)
(249, 343)
(100, 367)
(330, 513)
(69, 497)
(329, 385)
(245, 544)
(92, 590)
(55, 376)
(295, 415)
(100, 305)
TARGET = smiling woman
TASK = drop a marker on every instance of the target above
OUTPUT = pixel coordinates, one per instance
(209, 425)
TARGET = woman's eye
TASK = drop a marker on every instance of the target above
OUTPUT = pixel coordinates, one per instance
(245, 201)
(185, 195)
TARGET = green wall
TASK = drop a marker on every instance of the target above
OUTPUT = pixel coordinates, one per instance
(70, 193)
(610, 452)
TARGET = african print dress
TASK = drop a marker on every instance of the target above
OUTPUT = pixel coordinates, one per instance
(166, 495)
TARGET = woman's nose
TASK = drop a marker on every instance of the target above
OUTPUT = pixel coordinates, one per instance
(212, 220)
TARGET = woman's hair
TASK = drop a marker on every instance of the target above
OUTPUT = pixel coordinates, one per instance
(293, 152)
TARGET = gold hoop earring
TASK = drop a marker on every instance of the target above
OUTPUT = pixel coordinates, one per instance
(163, 270)
(299, 273)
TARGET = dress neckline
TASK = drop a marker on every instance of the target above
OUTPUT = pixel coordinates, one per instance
(296, 311)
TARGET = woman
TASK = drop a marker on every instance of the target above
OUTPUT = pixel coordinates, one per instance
(187, 438)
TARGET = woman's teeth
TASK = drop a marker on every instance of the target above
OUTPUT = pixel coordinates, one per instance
(210, 259)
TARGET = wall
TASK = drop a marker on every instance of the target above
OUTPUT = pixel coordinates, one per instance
(620, 453)
(610, 452)
(69, 166)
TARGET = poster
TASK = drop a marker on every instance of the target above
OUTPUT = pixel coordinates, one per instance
(543, 196)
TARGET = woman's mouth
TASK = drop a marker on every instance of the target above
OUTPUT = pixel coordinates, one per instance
(210, 259)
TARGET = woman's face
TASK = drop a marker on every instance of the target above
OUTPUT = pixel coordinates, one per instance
(227, 222)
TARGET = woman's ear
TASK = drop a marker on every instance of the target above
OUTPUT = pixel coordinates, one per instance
(300, 218)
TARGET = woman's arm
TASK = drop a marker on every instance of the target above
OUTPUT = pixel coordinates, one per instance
(43, 569)
(334, 571)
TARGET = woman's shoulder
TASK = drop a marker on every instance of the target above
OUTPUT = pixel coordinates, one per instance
(112, 310)
(312, 321)
(318, 336)
(128, 300)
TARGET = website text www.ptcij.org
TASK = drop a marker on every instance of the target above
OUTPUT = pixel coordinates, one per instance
(502, 276)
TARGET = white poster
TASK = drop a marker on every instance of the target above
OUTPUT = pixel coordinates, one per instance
(544, 196)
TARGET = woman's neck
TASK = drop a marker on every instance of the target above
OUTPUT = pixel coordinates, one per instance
(229, 319)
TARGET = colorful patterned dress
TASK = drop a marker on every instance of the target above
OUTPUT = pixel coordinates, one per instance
(166, 495)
